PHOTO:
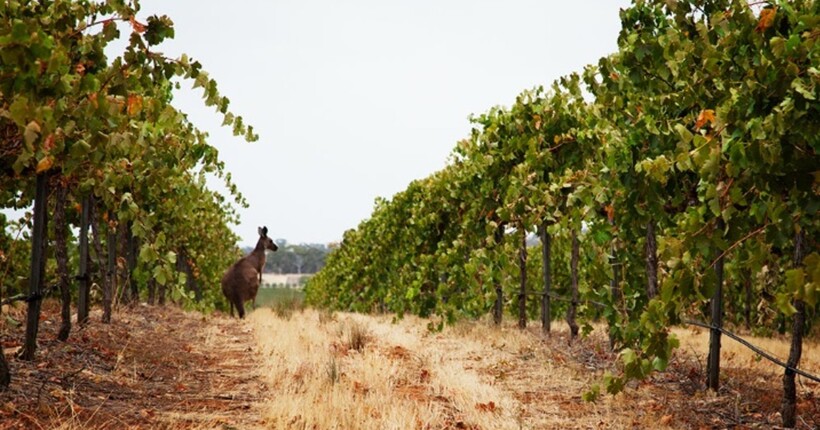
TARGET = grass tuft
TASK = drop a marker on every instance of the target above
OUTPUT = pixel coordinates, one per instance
(357, 336)
(326, 316)
(283, 301)
(332, 370)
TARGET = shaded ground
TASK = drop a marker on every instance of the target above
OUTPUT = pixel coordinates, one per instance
(749, 397)
(152, 367)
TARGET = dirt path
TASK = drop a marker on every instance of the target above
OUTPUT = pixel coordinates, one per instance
(151, 368)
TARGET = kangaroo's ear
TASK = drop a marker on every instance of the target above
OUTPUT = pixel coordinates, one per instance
(259, 230)
(265, 231)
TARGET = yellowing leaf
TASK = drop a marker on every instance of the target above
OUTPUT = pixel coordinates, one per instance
(706, 116)
(610, 212)
(134, 104)
(48, 145)
(766, 19)
(44, 164)
(32, 130)
(137, 26)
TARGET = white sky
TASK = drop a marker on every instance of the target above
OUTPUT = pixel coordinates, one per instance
(354, 99)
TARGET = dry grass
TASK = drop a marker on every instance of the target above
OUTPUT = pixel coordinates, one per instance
(394, 381)
(471, 376)
(285, 307)
(733, 354)
(750, 387)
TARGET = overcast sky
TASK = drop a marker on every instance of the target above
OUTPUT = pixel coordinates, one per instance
(352, 100)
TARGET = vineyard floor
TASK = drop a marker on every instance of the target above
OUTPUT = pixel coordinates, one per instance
(305, 369)
(152, 367)
(355, 371)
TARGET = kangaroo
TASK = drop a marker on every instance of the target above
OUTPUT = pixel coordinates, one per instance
(240, 282)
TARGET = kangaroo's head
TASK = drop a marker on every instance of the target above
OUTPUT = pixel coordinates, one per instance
(264, 241)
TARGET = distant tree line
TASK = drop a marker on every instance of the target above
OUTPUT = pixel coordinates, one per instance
(293, 258)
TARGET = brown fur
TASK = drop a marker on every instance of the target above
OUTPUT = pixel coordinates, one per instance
(240, 282)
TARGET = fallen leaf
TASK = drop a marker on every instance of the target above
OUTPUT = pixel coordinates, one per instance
(57, 393)
(486, 407)
(360, 388)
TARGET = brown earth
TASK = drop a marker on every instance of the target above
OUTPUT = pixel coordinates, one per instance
(153, 367)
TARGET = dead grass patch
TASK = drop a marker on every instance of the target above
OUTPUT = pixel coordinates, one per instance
(356, 335)
(478, 376)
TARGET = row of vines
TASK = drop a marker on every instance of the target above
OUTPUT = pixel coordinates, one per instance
(115, 173)
(676, 178)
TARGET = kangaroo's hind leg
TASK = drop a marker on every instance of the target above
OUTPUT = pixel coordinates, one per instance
(240, 307)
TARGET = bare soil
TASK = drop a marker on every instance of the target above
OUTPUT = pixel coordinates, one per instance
(152, 367)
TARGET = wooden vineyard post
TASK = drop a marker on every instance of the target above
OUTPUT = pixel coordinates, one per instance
(38, 267)
(573, 306)
(498, 307)
(522, 292)
(789, 403)
(713, 365)
(546, 249)
(83, 276)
